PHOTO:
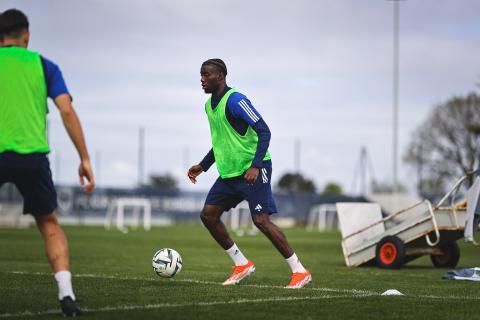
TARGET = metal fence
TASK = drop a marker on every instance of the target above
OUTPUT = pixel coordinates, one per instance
(77, 207)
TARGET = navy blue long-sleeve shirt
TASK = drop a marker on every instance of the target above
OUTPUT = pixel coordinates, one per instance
(240, 114)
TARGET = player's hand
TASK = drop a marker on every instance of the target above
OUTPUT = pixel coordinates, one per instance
(194, 172)
(251, 175)
(85, 171)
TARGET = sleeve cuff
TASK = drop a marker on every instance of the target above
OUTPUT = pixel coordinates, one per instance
(257, 164)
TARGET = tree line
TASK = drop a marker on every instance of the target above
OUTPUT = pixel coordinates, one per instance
(445, 146)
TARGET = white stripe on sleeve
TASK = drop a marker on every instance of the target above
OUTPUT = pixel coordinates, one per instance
(248, 111)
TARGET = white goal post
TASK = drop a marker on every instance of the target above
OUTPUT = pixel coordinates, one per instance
(322, 217)
(240, 221)
(117, 208)
(11, 215)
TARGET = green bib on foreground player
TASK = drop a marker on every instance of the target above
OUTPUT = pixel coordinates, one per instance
(23, 102)
(233, 152)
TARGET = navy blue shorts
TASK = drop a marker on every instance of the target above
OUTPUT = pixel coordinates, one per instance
(32, 176)
(230, 192)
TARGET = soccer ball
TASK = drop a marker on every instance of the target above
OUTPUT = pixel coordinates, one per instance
(166, 262)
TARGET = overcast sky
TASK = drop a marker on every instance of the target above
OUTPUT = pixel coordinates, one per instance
(318, 71)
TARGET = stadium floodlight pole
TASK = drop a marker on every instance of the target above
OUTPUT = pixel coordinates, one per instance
(186, 157)
(141, 154)
(396, 19)
(58, 163)
(296, 155)
(363, 173)
(97, 166)
(363, 170)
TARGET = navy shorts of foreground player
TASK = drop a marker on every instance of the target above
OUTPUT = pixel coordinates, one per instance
(33, 178)
(230, 192)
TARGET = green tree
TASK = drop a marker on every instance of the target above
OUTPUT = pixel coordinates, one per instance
(332, 188)
(162, 181)
(447, 144)
(295, 182)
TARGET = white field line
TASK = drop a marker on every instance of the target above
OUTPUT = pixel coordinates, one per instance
(102, 276)
(174, 305)
(356, 292)
(343, 293)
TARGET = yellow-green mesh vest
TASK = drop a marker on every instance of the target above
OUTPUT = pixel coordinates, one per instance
(233, 152)
(23, 102)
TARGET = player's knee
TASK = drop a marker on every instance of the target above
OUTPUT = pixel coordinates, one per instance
(261, 221)
(47, 220)
(207, 217)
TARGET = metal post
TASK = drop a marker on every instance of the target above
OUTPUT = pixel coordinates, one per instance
(186, 158)
(97, 167)
(396, 17)
(141, 154)
(396, 62)
(57, 167)
(363, 171)
(296, 154)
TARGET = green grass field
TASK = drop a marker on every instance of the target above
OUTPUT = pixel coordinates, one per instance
(113, 279)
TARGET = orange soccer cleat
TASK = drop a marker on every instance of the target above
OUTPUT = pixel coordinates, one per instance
(239, 273)
(299, 280)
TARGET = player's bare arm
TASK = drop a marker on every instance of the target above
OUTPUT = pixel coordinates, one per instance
(74, 129)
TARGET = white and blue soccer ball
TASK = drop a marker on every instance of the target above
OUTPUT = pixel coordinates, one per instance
(167, 262)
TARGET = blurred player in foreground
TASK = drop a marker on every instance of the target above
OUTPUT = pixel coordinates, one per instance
(240, 139)
(26, 80)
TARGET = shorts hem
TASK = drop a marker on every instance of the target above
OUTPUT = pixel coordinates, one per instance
(39, 213)
(269, 212)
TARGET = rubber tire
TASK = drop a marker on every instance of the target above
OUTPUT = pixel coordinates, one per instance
(450, 258)
(390, 243)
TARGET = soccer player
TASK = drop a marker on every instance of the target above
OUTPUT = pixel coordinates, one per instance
(26, 80)
(240, 139)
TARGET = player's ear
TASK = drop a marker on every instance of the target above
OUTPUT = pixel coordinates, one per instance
(26, 39)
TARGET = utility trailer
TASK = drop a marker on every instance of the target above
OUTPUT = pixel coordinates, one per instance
(422, 229)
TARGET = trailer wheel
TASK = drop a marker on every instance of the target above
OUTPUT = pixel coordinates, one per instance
(449, 258)
(390, 253)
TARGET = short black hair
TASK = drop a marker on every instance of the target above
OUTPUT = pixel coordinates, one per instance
(217, 63)
(12, 23)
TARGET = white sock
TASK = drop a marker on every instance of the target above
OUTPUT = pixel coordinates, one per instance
(64, 281)
(237, 255)
(295, 264)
